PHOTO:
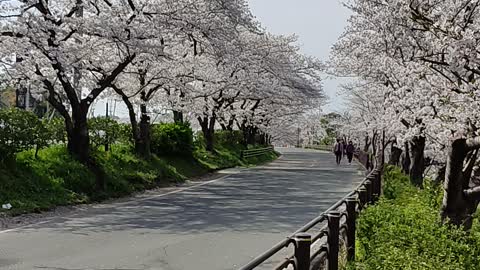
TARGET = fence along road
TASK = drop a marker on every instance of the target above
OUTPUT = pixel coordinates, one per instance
(221, 225)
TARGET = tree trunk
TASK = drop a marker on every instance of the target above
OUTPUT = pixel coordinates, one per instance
(78, 145)
(244, 130)
(395, 154)
(406, 159)
(418, 160)
(252, 132)
(142, 144)
(140, 131)
(208, 139)
(384, 145)
(211, 134)
(208, 130)
(440, 175)
(374, 148)
(262, 139)
(178, 117)
(78, 138)
(456, 206)
(367, 144)
(135, 127)
(230, 123)
(372, 161)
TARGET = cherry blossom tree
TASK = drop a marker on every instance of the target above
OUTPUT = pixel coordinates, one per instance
(260, 72)
(76, 50)
(424, 54)
(67, 49)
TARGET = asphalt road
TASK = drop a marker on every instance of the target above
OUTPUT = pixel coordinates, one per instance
(219, 225)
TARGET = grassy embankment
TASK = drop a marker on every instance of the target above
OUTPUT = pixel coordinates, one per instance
(54, 178)
(403, 231)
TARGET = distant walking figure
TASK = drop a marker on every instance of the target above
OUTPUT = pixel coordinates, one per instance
(350, 150)
(338, 151)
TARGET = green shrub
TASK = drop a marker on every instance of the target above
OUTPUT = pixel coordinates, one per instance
(198, 140)
(103, 130)
(229, 138)
(125, 133)
(397, 184)
(56, 130)
(403, 231)
(172, 139)
(20, 130)
(327, 141)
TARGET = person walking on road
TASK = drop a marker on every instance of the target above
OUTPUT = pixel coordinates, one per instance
(338, 151)
(350, 149)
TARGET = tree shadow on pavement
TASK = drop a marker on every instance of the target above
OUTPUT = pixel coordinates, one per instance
(278, 197)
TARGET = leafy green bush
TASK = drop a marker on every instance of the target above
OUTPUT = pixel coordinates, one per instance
(125, 133)
(20, 130)
(396, 184)
(103, 130)
(327, 141)
(226, 138)
(56, 130)
(403, 231)
(172, 139)
(198, 140)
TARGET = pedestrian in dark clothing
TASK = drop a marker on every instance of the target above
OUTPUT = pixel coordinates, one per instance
(350, 149)
(338, 151)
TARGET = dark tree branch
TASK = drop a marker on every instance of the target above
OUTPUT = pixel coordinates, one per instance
(107, 81)
(52, 98)
(132, 5)
(12, 34)
(69, 35)
(472, 193)
(405, 123)
(473, 143)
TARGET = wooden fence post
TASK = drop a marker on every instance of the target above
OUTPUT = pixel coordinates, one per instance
(375, 192)
(303, 242)
(362, 196)
(379, 182)
(333, 239)
(351, 227)
(369, 187)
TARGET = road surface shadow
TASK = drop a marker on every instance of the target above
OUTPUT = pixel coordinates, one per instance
(277, 197)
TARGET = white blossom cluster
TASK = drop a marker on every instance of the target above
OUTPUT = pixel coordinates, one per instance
(417, 67)
(207, 59)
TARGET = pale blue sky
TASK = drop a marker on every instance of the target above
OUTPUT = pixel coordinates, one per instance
(318, 23)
